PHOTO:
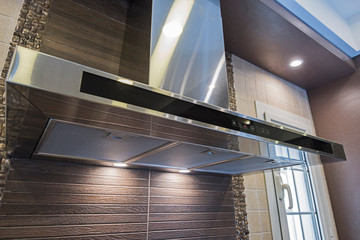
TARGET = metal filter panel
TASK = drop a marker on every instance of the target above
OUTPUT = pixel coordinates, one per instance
(79, 141)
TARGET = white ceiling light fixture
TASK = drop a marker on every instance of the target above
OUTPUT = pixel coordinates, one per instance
(172, 29)
(120, 164)
(184, 171)
(296, 63)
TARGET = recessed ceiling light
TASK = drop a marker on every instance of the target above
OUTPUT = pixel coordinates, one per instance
(120, 164)
(172, 29)
(184, 171)
(296, 63)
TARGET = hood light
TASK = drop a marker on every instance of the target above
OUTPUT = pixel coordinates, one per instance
(172, 29)
(184, 171)
(296, 63)
(120, 164)
(126, 81)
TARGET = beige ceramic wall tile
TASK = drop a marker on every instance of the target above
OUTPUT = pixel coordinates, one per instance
(251, 200)
(265, 221)
(252, 110)
(249, 70)
(262, 199)
(250, 83)
(240, 85)
(256, 236)
(242, 106)
(260, 180)
(250, 181)
(254, 222)
(267, 236)
(10, 8)
(255, 147)
(7, 26)
(238, 63)
(3, 52)
(262, 96)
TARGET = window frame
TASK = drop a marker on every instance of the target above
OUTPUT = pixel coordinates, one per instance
(316, 172)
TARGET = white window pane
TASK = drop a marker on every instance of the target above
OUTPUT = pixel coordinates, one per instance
(294, 154)
(303, 191)
(309, 224)
(294, 227)
(281, 151)
(284, 152)
(300, 167)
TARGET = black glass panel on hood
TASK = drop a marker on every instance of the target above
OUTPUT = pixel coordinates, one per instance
(114, 90)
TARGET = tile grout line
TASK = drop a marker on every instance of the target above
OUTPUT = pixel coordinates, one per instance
(148, 207)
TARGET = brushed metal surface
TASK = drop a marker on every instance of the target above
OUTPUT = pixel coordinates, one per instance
(54, 75)
(193, 63)
(52, 85)
(79, 141)
(245, 165)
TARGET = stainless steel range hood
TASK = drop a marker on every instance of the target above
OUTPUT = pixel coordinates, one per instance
(57, 109)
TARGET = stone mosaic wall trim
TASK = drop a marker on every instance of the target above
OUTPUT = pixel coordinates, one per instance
(242, 231)
(28, 33)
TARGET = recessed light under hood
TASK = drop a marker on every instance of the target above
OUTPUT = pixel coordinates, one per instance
(57, 109)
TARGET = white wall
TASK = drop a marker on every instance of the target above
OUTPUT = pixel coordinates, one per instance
(328, 15)
(354, 23)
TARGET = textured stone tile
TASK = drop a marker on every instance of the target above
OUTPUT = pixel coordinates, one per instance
(10, 7)
(7, 27)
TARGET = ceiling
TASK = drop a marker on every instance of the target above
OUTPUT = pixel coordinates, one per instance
(346, 8)
(338, 22)
(266, 34)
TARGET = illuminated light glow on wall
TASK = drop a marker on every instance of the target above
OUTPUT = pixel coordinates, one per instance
(168, 39)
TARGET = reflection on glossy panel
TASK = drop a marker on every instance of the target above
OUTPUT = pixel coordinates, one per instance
(191, 60)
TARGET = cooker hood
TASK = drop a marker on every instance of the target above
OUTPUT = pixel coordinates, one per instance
(61, 110)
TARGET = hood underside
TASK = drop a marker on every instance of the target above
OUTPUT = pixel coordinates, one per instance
(57, 109)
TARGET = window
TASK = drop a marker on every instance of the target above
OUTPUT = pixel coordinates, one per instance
(306, 214)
